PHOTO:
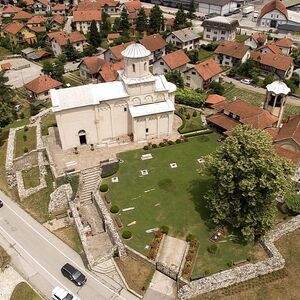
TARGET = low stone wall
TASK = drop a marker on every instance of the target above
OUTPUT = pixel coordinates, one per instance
(41, 114)
(9, 163)
(30, 158)
(59, 198)
(249, 271)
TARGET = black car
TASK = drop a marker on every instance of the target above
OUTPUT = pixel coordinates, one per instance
(236, 11)
(1, 203)
(228, 14)
(73, 274)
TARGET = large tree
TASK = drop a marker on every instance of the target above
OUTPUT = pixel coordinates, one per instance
(94, 35)
(141, 21)
(180, 19)
(124, 22)
(105, 23)
(156, 19)
(54, 70)
(247, 177)
(192, 9)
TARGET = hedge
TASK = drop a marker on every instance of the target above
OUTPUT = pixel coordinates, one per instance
(109, 169)
(200, 132)
(164, 229)
(190, 97)
(103, 188)
(114, 209)
(126, 234)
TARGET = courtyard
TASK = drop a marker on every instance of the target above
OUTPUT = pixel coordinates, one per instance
(173, 197)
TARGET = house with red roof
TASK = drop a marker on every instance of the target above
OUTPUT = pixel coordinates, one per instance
(59, 9)
(41, 7)
(109, 71)
(113, 54)
(37, 21)
(89, 68)
(111, 37)
(57, 22)
(269, 47)
(61, 38)
(255, 40)
(18, 33)
(201, 75)
(22, 16)
(40, 87)
(10, 11)
(111, 7)
(285, 45)
(83, 19)
(155, 44)
(174, 61)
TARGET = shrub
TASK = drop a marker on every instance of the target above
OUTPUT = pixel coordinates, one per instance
(181, 110)
(146, 147)
(109, 169)
(161, 144)
(195, 113)
(25, 128)
(164, 229)
(213, 249)
(178, 141)
(230, 264)
(190, 237)
(188, 116)
(126, 234)
(170, 142)
(25, 150)
(154, 244)
(154, 146)
(24, 137)
(114, 209)
(190, 97)
(293, 202)
(103, 188)
(22, 115)
(189, 257)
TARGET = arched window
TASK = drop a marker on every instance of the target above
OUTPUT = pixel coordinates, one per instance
(82, 137)
(133, 67)
(145, 66)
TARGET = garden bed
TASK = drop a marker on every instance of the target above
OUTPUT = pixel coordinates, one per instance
(31, 177)
(191, 119)
(25, 140)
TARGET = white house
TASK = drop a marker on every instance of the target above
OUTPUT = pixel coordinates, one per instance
(41, 7)
(255, 40)
(219, 7)
(219, 28)
(186, 39)
(138, 105)
(83, 19)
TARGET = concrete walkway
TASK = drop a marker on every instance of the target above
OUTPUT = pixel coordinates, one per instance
(9, 278)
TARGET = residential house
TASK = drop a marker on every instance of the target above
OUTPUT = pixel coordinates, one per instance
(113, 54)
(231, 53)
(19, 34)
(219, 28)
(156, 45)
(41, 7)
(174, 61)
(132, 8)
(22, 16)
(60, 39)
(38, 29)
(256, 40)
(83, 19)
(293, 5)
(186, 39)
(10, 11)
(201, 75)
(213, 99)
(40, 87)
(109, 71)
(59, 9)
(89, 68)
(111, 37)
(269, 47)
(57, 22)
(29, 4)
(280, 65)
(285, 45)
(111, 7)
(37, 21)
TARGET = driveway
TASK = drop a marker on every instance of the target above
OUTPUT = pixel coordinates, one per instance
(22, 71)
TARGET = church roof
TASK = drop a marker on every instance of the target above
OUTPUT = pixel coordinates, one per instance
(135, 51)
(278, 87)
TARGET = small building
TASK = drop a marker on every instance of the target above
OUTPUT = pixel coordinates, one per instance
(36, 21)
(110, 71)
(231, 53)
(201, 75)
(41, 7)
(114, 54)
(83, 19)
(256, 40)
(61, 38)
(57, 22)
(219, 28)
(285, 45)
(293, 5)
(22, 16)
(174, 61)
(19, 34)
(279, 65)
(40, 87)
(111, 37)
(213, 99)
(132, 8)
(270, 47)
(156, 45)
(186, 39)
(89, 68)
(219, 7)
(111, 7)
(59, 9)
(10, 11)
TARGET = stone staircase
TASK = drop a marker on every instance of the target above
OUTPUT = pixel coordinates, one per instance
(105, 267)
(90, 178)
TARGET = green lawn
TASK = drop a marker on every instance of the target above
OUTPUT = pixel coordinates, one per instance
(48, 121)
(31, 177)
(37, 204)
(172, 197)
(204, 54)
(4, 52)
(23, 291)
(29, 142)
(191, 124)
(241, 38)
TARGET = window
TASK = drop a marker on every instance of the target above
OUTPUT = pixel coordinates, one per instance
(223, 32)
(125, 108)
(133, 67)
(193, 72)
(165, 70)
(147, 130)
(208, 36)
(188, 77)
(215, 32)
(145, 66)
(161, 63)
(208, 30)
(188, 84)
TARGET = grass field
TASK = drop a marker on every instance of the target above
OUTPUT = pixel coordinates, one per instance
(241, 38)
(31, 177)
(48, 121)
(204, 54)
(23, 291)
(21, 143)
(172, 197)
(4, 52)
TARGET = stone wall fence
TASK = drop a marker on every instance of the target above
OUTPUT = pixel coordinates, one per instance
(246, 272)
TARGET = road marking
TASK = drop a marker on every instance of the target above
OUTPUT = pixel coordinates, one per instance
(79, 267)
(18, 244)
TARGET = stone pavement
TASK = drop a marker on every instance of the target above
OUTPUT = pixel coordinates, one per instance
(9, 278)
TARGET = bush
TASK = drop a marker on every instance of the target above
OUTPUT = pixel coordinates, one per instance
(213, 249)
(195, 114)
(22, 115)
(178, 141)
(188, 116)
(154, 146)
(164, 229)
(25, 150)
(114, 209)
(103, 188)
(190, 97)
(161, 144)
(293, 202)
(25, 128)
(24, 137)
(146, 147)
(230, 264)
(170, 142)
(126, 234)
(190, 237)
(217, 88)
(109, 169)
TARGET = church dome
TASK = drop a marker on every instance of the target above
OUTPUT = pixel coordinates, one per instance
(135, 51)
(278, 87)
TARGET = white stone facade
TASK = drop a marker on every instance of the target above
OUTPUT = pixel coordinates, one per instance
(272, 19)
(139, 105)
(84, 26)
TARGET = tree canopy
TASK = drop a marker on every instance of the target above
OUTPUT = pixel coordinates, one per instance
(247, 177)
(124, 22)
(175, 77)
(192, 9)
(156, 21)
(105, 24)
(293, 202)
(94, 35)
(54, 70)
(141, 22)
(180, 19)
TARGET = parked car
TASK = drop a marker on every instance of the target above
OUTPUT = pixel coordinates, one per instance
(1, 203)
(59, 293)
(236, 11)
(228, 14)
(246, 81)
(73, 274)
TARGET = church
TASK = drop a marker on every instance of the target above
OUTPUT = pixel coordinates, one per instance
(139, 105)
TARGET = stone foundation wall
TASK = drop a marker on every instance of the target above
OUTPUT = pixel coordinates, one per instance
(9, 163)
(59, 198)
(249, 271)
(30, 158)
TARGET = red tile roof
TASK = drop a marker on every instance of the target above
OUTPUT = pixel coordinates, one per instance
(289, 154)
(41, 53)
(58, 19)
(29, 2)
(290, 130)
(93, 63)
(270, 6)
(116, 50)
(13, 28)
(259, 37)
(208, 69)
(153, 42)
(277, 61)
(214, 99)
(38, 29)
(96, 5)
(285, 43)
(63, 38)
(109, 70)
(6, 66)
(37, 20)
(42, 84)
(133, 6)
(11, 10)
(59, 7)
(233, 49)
(272, 46)
(273, 131)
(223, 121)
(87, 15)
(176, 59)
(22, 15)
(113, 36)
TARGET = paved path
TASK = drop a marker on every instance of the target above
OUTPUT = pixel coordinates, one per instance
(9, 278)
(68, 27)
(39, 255)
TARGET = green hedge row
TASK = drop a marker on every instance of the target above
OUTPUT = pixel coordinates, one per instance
(190, 97)
(109, 170)
(201, 132)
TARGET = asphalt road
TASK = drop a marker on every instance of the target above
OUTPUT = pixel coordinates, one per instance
(39, 256)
